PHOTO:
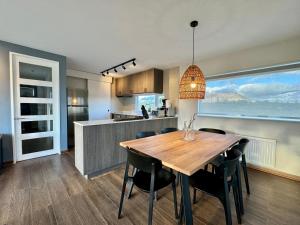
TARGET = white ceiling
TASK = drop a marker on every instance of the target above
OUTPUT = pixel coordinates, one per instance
(98, 34)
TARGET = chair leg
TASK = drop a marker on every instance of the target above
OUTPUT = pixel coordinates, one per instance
(237, 203)
(244, 165)
(227, 210)
(213, 169)
(240, 190)
(123, 190)
(178, 179)
(132, 184)
(175, 199)
(195, 196)
(180, 220)
(151, 196)
(206, 167)
(156, 196)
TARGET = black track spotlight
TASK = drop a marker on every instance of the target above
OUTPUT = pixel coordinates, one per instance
(103, 74)
(115, 67)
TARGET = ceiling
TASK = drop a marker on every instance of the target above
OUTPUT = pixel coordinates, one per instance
(98, 34)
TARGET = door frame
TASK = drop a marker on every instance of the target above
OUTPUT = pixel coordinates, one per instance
(13, 59)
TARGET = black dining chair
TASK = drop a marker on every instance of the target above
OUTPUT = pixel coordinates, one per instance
(140, 134)
(213, 130)
(243, 142)
(218, 184)
(215, 162)
(216, 131)
(143, 134)
(168, 130)
(149, 177)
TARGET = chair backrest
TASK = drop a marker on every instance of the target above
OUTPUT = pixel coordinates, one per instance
(213, 130)
(230, 162)
(168, 130)
(142, 162)
(242, 144)
(143, 134)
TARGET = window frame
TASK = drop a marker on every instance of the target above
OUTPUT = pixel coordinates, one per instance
(248, 73)
(137, 109)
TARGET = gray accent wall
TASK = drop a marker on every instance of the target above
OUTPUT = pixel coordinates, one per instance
(5, 112)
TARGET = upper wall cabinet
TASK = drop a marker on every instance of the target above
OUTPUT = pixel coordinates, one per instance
(149, 81)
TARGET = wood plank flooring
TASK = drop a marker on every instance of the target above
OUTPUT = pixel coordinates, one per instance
(51, 191)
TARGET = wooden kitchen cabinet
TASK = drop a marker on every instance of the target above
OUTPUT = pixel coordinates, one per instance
(120, 87)
(149, 81)
(153, 81)
(129, 87)
(138, 83)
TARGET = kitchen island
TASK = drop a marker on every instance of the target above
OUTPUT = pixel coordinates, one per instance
(97, 148)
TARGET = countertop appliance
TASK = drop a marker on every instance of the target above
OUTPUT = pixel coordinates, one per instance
(166, 109)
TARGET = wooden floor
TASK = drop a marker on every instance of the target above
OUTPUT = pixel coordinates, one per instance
(49, 190)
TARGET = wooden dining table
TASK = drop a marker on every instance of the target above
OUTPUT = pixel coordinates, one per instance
(186, 157)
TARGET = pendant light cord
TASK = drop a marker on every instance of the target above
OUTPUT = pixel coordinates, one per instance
(193, 44)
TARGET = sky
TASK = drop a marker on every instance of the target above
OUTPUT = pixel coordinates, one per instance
(257, 85)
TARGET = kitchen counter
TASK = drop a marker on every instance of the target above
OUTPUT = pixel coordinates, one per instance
(111, 121)
(97, 148)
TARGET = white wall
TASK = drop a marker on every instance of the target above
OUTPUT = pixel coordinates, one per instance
(89, 76)
(287, 134)
(99, 100)
(99, 93)
(171, 85)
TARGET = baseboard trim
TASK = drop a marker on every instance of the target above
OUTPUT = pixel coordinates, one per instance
(274, 172)
(103, 171)
(10, 162)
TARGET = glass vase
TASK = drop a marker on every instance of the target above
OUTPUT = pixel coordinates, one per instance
(189, 133)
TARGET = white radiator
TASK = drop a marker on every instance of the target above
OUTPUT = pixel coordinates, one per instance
(261, 151)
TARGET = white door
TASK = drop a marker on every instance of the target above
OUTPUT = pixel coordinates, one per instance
(99, 100)
(35, 106)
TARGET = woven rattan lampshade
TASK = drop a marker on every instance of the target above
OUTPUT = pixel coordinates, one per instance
(192, 84)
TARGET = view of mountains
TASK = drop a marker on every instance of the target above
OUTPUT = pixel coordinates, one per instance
(277, 87)
(286, 97)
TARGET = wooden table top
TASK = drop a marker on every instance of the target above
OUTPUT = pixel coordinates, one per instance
(186, 157)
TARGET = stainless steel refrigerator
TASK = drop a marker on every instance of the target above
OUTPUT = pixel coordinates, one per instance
(77, 110)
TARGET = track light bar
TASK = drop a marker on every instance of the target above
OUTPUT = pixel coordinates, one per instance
(114, 68)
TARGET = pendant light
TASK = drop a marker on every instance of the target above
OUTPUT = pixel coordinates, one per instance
(192, 83)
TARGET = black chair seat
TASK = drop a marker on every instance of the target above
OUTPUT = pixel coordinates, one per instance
(213, 130)
(208, 182)
(217, 184)
(149, 176)
(168, 130)
(162, 179)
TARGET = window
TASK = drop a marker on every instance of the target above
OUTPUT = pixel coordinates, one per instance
(271, 95)
(151, 102)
